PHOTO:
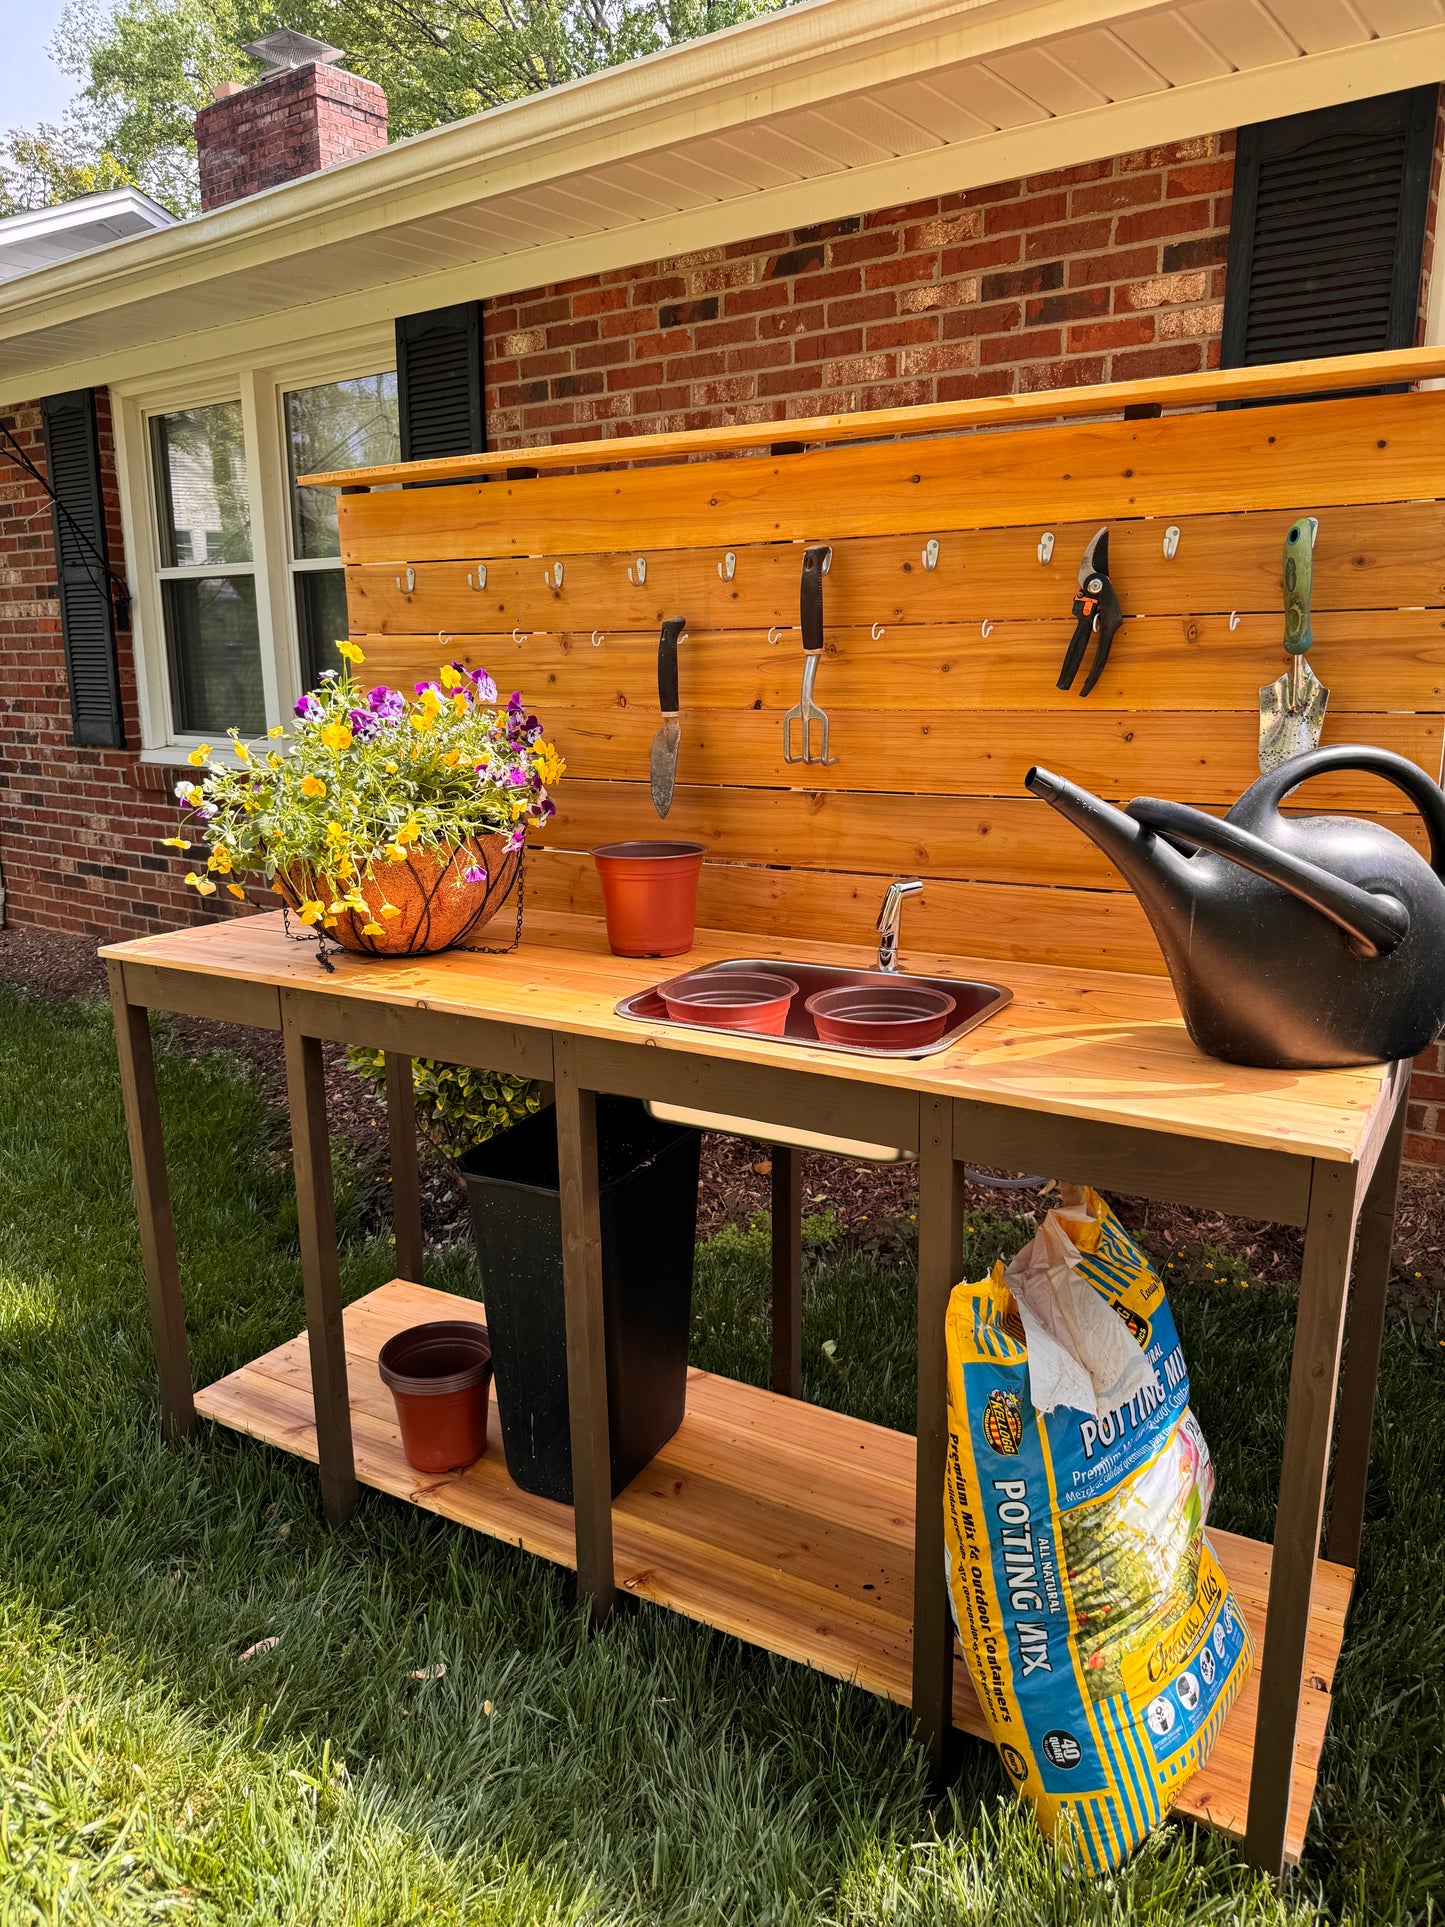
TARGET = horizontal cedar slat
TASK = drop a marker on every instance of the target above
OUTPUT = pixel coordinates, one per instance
(1375, 449)
(1368, 660)
(1089, 929)
(1366, 556)
(908, 752)
(1007, 840)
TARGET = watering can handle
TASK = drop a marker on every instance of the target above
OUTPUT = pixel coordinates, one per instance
(1269, 791)
(1376, 923)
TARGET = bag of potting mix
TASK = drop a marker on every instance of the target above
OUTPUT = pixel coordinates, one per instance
(1101, 1634)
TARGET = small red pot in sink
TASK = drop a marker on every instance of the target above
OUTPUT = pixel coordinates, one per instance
(730, 999)
(880, 1016)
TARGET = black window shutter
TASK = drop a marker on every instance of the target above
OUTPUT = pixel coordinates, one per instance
(82, 555)
(441, 401)
(1327, 233)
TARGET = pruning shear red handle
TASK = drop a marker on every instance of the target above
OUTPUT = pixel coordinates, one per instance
(1096, 613)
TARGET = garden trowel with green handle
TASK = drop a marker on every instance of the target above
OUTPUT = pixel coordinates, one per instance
(1292, 707)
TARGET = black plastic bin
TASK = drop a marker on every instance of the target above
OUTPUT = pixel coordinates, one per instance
(648, 1178)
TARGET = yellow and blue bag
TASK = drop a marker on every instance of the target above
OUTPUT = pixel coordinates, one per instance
(1103, 1640)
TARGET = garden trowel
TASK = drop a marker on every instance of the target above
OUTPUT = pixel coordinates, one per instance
(1292, 707)
(665, 742)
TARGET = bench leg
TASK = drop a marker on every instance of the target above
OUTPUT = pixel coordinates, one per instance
(1362, 1357)
(586, 1334)
(1314, 1377)
(153, 1208)
(405, 1177)
(320, 1271)
(787, 1270)
(940, 1241)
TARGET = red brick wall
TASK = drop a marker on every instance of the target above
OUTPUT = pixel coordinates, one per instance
(1425, 1122)
(1095, 273)
(78, 827)
(293, 124)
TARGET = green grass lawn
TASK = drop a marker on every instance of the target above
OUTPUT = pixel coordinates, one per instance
(149, 1770)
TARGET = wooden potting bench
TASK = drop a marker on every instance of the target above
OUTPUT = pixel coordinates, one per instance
(815, 1535)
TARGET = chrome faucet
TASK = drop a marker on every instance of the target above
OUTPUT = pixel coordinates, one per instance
(889, 918)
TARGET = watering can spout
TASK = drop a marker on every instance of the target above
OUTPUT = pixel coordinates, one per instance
(1153, 868)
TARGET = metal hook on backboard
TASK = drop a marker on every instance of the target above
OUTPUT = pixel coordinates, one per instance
(877, 632)
(410, 582)
(930, 553)
(728, 567)
(518, 637)
(640, 565)
(1046, 547)
(1234, 620)
(1171, 541)
(598, 638)
(547, 575)
(775, 635)
(479, 579)
(986, 631)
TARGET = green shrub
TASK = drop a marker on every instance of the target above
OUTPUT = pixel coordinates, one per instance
(456, 1107)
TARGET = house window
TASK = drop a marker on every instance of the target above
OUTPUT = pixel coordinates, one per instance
(336, 424)
(207, 569)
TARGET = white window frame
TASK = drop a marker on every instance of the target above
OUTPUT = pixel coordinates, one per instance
(260, 389)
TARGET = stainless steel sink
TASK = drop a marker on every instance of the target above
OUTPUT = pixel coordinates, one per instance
(975, 1002)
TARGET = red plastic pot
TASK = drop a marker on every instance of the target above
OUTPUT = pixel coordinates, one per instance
(731, 999)
(880, 1016)
(440, 1377)
(649, 896)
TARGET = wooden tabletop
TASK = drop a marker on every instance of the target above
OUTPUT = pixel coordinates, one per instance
(1101, 1045)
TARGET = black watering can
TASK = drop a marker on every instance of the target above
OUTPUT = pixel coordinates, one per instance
(1293, 942)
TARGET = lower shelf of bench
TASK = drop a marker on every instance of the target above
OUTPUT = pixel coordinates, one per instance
(775, 1521)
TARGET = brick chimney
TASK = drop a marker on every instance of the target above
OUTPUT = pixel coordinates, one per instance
(288, 124)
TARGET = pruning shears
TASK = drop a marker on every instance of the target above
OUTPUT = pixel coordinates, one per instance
(1096, 613)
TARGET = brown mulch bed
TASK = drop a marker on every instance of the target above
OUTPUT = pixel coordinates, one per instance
(869, 1201)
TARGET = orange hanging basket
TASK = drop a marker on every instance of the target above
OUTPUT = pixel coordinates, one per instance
(438, 907)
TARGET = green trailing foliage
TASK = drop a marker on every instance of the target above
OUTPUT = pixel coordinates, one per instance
(215, 1710)
(457, 1107)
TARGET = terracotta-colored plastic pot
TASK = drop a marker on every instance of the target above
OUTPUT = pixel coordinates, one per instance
(440, 1376)
(880, 1016)
(649, 896)
(731, 999)
(438, 906)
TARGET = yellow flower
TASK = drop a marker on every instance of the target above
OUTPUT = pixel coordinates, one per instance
(349, 652)
(273, 761)
(195, 795)
(236, 891)
(372, 930)
(312, 786)
(199, 756)
(452, 758)
(203, 884)
(241, 750)
(409, 831)
(175, 843)
(328, 923)
(335, 833)
(389, 910)
(450, 676)
(392, 768)
(311, 911)
(336, 736)
(423, 719)
(220, 859)
(547, 763)
(397, 852)
(335, 909)
(276, 731)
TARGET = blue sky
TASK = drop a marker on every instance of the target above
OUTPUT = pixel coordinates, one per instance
(31, 87)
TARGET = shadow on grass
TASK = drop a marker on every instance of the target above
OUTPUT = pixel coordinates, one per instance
(657, 1773)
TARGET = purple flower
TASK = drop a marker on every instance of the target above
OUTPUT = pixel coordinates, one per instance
(517, 776)
(483, 688)
(515, 704)
(421, 688)
(308, 709)
(183, 792)
(517, 838)
(363, 724)
(476, 874)
(389, 705)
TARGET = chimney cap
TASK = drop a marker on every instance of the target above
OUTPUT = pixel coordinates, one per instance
(283, 50)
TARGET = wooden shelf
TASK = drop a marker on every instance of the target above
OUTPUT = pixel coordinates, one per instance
(775, 1521)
